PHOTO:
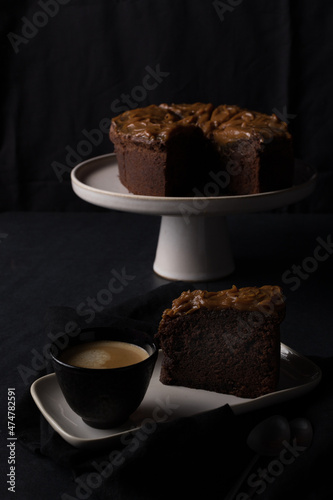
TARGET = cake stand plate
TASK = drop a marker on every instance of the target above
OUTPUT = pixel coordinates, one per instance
(194, 243)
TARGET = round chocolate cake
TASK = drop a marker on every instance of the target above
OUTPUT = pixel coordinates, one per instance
(177, 149)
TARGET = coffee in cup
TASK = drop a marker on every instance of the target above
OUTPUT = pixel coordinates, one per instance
(104, 354)
(104, 397)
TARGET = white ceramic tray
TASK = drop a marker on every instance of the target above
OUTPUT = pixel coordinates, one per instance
(193, 242)
(164, 403)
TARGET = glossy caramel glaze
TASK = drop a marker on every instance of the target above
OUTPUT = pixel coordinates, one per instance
(229, 123)
(225, 123)
(267, 299)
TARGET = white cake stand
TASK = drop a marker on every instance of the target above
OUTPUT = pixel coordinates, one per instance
(193, 242)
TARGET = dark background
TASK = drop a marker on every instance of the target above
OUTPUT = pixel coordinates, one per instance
(68, 66)
(61, 83)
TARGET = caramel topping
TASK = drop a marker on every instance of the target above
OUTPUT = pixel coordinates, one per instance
(230, 123)
(267, 299)
(196, 114)
(225, 123)
(152, 122)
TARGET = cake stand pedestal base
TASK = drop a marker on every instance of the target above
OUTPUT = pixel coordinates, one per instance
(193, 248)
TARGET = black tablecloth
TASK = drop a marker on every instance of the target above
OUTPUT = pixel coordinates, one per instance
(51, 263)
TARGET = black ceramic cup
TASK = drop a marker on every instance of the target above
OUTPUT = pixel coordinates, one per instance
(104, 397)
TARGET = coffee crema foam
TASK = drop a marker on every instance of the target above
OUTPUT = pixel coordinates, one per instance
(103, 354)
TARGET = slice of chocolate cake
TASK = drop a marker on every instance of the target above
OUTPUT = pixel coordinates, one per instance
(226, 341)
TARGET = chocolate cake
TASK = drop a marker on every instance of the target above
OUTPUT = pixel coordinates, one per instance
(226, 341)
(177, 149)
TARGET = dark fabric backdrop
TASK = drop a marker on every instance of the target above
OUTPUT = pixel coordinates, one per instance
(68, 66)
